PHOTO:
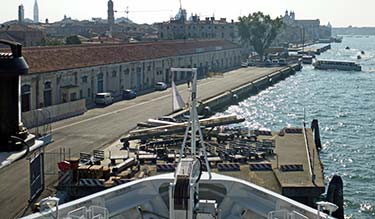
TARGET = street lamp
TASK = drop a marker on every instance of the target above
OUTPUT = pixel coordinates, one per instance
(328, 206)
(47, 204)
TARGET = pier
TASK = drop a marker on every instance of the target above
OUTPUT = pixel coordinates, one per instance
(285, 161)
(314, 49)
(99, 127)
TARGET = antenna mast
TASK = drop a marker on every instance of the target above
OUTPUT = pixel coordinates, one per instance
(184, 190)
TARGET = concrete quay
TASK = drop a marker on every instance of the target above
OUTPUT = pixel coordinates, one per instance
(315, 49)
(99, 127)
(249, 85)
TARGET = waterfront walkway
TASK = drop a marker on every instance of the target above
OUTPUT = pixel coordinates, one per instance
(99, 127)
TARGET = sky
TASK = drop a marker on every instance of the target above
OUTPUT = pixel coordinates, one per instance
(341, 13)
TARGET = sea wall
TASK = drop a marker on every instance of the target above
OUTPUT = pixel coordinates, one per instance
(252, 87)
(234, 95)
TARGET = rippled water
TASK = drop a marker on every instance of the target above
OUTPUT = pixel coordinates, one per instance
(344, 104)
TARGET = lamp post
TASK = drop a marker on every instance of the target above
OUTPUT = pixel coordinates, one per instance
(12, 66)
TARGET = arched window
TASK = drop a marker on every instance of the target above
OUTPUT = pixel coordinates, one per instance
(100, 83)
(25, 98)
(47, 93)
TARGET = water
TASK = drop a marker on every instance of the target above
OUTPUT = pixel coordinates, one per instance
(344, 104)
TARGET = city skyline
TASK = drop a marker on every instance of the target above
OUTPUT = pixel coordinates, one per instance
(143, 11)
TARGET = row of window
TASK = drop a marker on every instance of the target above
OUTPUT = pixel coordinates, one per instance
(47, 86)
(196, 27)
(26, 88)
(26, 96)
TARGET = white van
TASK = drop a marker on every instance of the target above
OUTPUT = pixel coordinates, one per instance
(103, 98)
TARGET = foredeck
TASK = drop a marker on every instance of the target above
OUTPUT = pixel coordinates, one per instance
(285, 170)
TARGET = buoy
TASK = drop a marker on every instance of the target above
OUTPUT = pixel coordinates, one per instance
(234, 97)
(207, 111)
(347, 47)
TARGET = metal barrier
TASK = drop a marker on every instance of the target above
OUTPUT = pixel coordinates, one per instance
(93, 212)
(36, 164)
(285, 214)
(280, 214)
(51, 159)
(297, 215)
(38, 121)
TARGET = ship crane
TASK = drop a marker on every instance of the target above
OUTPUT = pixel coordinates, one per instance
(183, 191)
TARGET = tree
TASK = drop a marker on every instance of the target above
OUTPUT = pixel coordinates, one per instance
(259, 31)
(51, 42)
(72, 40)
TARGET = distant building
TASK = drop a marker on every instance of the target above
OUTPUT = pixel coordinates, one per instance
(21, 14)
(60, 75)
(195, 28)
(111, 13)
(36, 12)
(296, 31)
(26, 35)
(98, 27)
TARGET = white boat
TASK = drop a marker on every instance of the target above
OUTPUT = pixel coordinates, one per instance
(338, 65)
(307, 59)
(189, 193)
(218, 197)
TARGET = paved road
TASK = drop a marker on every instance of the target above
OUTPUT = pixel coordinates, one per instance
(99, 127)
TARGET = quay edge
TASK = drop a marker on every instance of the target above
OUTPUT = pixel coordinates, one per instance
(232, 96)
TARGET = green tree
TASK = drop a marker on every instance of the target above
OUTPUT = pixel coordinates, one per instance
(51, 42)
(259, 31)
(72, 40)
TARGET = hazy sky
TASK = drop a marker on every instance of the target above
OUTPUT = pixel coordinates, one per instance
(338, 12)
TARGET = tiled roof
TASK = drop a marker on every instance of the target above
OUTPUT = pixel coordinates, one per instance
(48, 59)
(18, 27)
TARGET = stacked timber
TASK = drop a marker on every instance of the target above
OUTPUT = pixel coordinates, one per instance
(166, 129)
(91, 172)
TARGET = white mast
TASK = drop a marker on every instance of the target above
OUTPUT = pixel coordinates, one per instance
(183, 192)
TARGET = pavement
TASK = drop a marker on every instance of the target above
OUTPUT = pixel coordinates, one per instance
(100, 127)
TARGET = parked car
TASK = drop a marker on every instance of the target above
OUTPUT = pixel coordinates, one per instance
(282, 62)
(103, 98)
(244, 64)
(268, 62)
(128, 94)
(160, 86)
(252, 63)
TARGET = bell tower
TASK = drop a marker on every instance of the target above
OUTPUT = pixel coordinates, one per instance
(111, 13)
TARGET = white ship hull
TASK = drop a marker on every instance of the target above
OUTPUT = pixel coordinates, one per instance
(234, 198)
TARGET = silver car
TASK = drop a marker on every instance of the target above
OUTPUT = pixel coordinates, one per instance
(103, 98)
(160, 86)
